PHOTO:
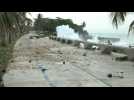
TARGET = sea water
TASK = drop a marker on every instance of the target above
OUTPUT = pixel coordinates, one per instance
(125, 40)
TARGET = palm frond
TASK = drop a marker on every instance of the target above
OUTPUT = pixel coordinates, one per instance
(118, 18)
(131, 27)
(11, 24)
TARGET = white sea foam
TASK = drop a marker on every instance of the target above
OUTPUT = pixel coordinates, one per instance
(66, 32)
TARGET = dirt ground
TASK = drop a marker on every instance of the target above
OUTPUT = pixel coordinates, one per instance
(47, 63)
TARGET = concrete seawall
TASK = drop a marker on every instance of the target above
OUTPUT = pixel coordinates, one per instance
(87, 45)
(44, 62)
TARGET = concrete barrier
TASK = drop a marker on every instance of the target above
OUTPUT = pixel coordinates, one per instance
(76, 43)
(128, 51)
(68, 41)
(54, 38)
(50, 37)
(58, 39)
(87, 45)
(62, 40)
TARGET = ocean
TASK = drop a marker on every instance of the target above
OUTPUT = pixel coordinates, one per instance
(125, 39)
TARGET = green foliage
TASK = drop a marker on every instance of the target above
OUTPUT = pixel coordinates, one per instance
(5, 54)
(47, 24)
(119, 17)
(12, 25)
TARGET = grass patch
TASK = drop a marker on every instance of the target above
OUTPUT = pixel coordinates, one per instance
(5, 56)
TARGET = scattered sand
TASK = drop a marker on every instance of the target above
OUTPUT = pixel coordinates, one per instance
(78, 70)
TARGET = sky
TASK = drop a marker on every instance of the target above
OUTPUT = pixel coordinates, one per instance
(96, 22)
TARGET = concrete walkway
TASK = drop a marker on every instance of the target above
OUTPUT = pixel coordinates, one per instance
(39, 63)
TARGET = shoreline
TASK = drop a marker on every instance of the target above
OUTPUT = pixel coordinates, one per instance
(118, 49)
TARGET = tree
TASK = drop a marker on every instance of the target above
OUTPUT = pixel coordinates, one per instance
(11, 26)
(119, 17)
(38, 24)
(47, 24)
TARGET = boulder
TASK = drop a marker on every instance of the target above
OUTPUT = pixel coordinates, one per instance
(63, 40)
(120, 56)
(107, 50)
(76, 43)
(88, 45)
(84, 54)
(58, 39)
(68, 41)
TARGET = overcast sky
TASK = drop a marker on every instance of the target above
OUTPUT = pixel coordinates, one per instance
(96, 22)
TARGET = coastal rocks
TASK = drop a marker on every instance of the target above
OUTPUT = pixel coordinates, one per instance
(76, 43)
(120, 56)
(125, 58)
(68, 41)
(58, 39)
(63, 62)
(63, 40)
(59, 52)
(107, 50)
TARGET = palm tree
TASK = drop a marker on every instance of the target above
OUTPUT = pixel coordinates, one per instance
(11, 24)
(119, 17)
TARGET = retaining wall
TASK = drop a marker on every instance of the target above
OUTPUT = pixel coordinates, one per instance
(87, 45)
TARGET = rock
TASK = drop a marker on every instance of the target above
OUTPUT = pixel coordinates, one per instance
(76, 43)
(30, 37)
(109, 75)
(37, 52)
(84, 54)
(107, 50)
(120, 56)
(30, 61)
(63, 40)
(3, 71)
(88, 46)
(69, 41)
(43, 70)
(58, 39)
(125, 58)
(63, 62)
(11, 61)
(59, 52)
